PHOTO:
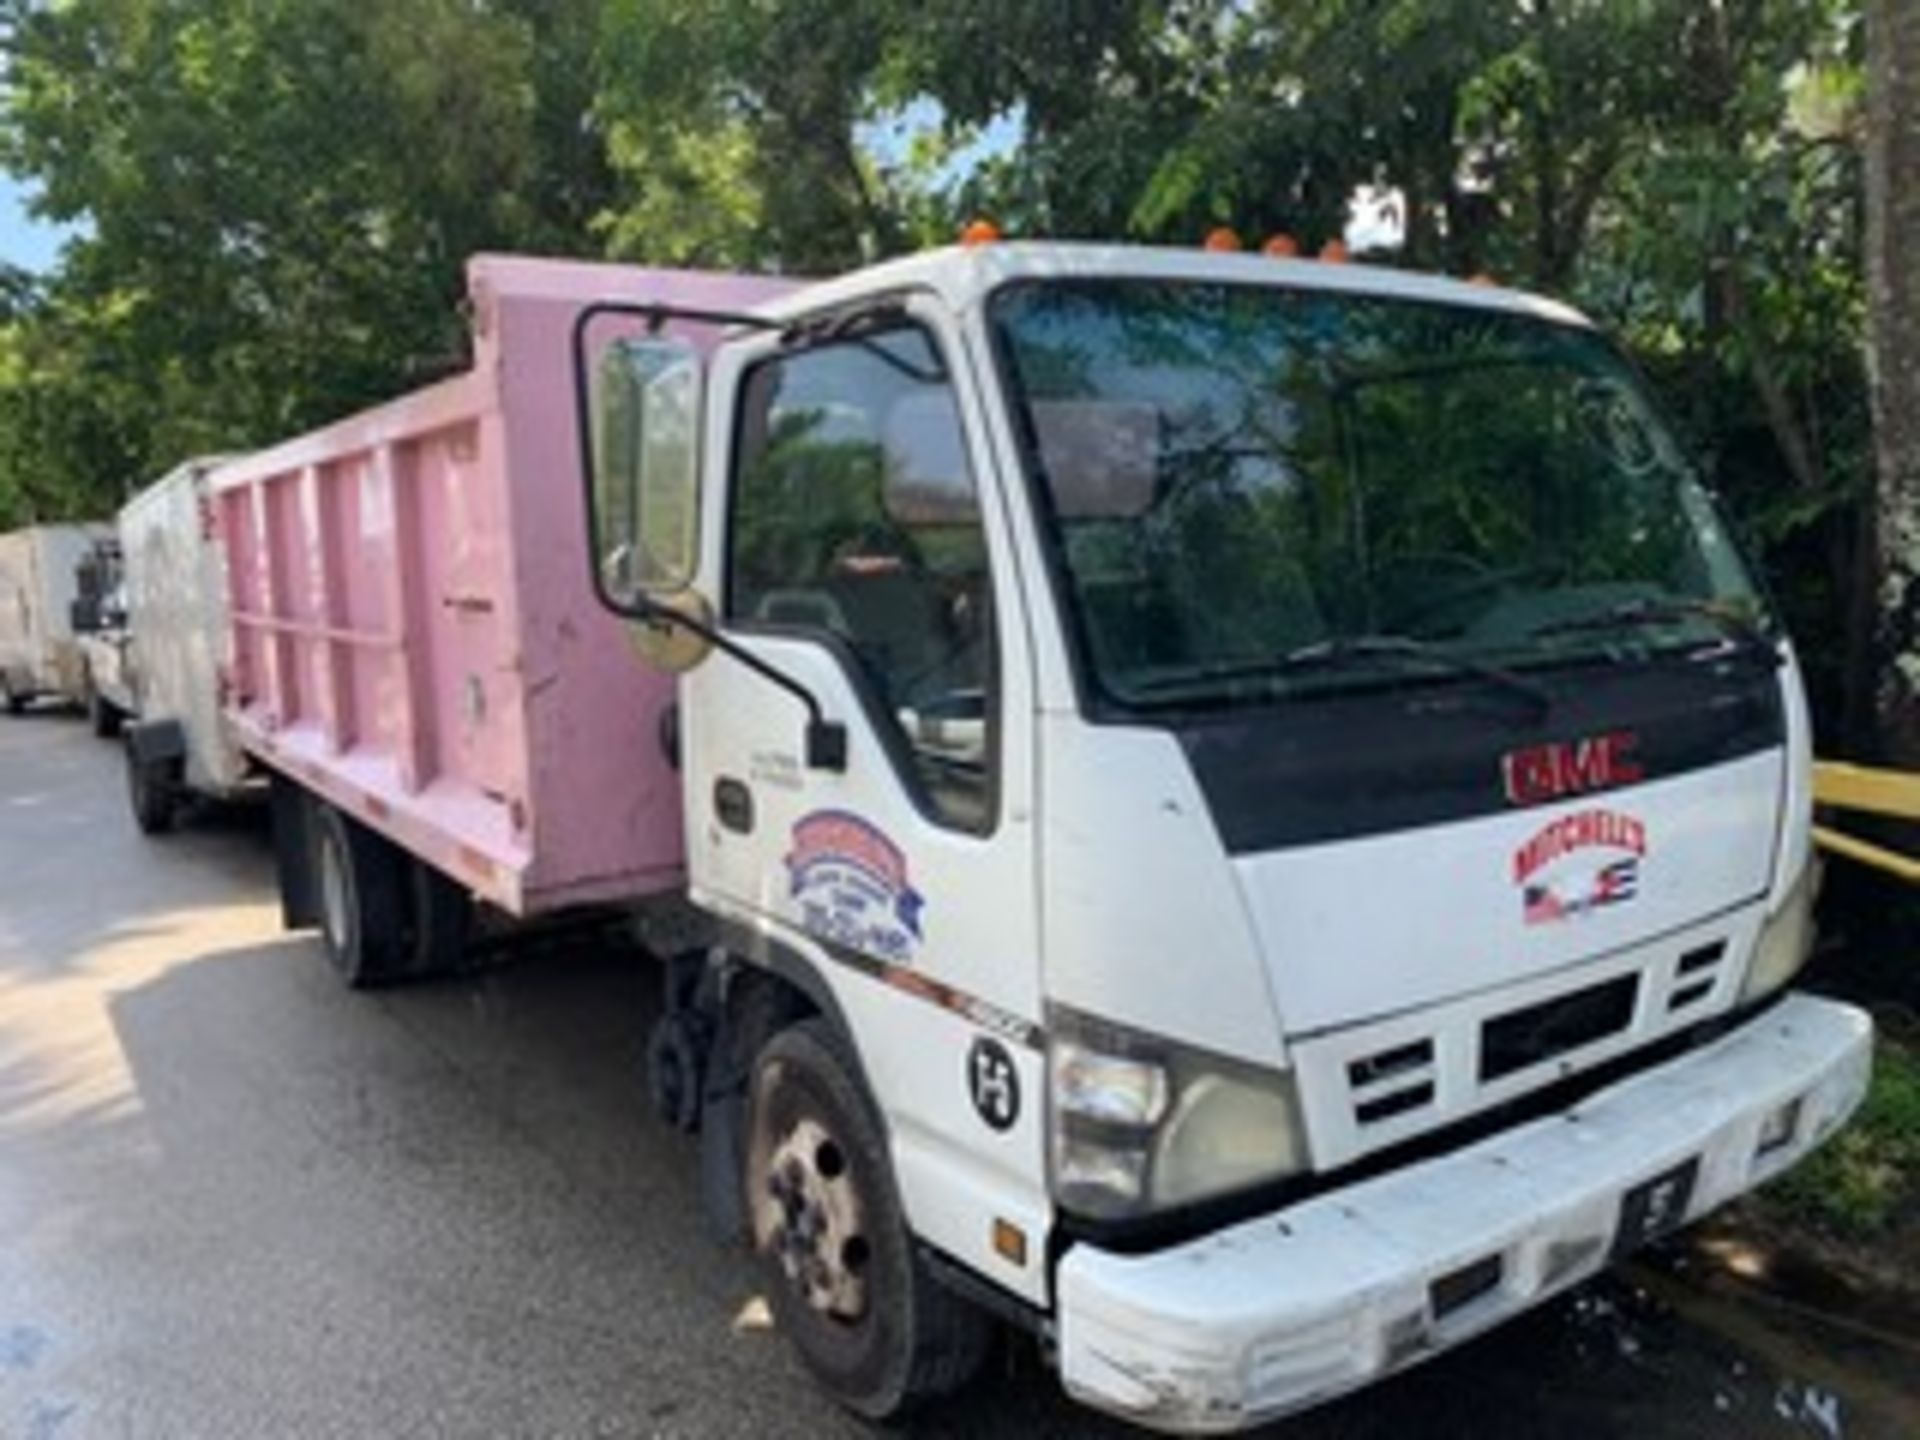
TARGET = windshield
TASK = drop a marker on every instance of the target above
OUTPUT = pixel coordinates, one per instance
(1237, 474)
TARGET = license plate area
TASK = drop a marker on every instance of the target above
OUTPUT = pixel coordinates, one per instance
(1653, 1207)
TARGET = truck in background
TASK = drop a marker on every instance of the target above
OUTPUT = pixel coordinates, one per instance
(1243, 815)
(100, 626)
(40, 572)
(177, 745)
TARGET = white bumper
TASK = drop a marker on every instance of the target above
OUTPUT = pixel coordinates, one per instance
(1293, 1308)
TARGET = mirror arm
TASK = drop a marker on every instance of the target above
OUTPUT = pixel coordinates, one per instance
(826, 742)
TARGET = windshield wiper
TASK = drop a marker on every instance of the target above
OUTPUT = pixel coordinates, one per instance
(1341, 651)
(1666, 610)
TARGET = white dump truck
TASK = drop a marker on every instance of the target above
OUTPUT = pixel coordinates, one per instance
(1244, 815)
(40, 571)
(1255, 816)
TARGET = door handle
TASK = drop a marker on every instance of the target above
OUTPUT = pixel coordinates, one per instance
(733, 804)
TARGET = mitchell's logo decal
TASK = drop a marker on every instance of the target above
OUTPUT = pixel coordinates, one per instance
(1554, 871)
(851, 884)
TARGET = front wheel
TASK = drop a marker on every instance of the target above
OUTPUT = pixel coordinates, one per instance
(102, 714)
(12, 699)
(846, 1285)
(153, 790)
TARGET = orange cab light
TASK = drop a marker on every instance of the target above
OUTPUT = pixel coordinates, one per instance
(1222, 238)
(1334, 252)
(980, 232)
(1281, 246)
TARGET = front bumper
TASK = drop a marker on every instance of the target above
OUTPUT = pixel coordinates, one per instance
(1282, 1312)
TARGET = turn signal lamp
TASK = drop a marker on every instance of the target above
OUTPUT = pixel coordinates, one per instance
(1222, 238)
(980, 232)
(1281, 246)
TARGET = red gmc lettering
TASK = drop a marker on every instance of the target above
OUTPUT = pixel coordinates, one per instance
(1570, 767)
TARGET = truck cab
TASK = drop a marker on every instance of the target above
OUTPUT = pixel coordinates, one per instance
(1280, 811)
(100, 627)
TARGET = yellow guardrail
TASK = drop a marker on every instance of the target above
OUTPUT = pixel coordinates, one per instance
(1894, 793)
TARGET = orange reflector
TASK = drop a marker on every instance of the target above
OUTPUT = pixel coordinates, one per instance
(1334, 252)
(1010, 1242)
(980, 232)
(1281, 246)
(1221, 237)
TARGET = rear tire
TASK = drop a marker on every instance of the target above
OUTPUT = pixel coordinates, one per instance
(153, 789)
(440, 921)
(12, 699)
(846, 1283)
(358, 881)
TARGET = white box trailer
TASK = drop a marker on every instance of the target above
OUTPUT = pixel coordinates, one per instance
(176, 596)
(39, 654)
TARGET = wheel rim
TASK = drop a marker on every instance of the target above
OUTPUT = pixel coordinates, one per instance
(333, 895)
(812, 1220)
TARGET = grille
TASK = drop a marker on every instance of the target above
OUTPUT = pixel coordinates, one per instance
(1537, 1033)
(1391, 1082)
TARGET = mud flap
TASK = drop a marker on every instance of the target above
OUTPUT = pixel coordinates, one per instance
(293, 855)
(155, 741)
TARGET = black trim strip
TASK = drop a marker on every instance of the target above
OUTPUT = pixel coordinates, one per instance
(1341, 767)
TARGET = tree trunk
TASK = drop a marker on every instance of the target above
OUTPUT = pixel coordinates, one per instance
(1893, 294)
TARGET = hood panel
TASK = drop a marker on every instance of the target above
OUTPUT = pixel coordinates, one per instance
(1367, 927)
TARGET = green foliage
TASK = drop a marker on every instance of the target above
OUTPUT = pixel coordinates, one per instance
(276, 196)
(277, 199)
(1866, 1179)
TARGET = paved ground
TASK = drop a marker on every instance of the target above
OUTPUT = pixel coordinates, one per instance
(238, 1201)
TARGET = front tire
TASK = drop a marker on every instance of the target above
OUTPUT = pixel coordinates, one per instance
(102, 714)
(846, 1284)
(153, 790)
(358, 879)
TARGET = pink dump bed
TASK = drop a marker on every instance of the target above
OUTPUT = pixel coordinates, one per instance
(415, 634)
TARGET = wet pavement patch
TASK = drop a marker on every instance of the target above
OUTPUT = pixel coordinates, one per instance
(21, 1347)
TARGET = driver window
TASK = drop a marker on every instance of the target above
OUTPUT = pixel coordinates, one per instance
(856, 516)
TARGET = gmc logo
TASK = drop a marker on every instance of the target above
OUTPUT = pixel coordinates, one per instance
(1570, 767)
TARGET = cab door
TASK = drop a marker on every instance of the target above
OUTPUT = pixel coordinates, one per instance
(855, 537)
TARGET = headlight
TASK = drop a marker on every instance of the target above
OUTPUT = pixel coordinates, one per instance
(1786, 939)
(1140, 1123)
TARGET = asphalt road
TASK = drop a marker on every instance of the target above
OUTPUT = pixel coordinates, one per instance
(236, 1200)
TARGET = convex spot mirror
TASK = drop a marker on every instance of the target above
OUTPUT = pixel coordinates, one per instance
(667, 646)
(645, 455)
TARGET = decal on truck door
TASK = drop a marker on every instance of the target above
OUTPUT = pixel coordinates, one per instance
(852, 886)
(993, 1083)
(1560, 878)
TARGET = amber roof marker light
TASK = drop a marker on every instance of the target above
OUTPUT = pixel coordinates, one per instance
(979, 232)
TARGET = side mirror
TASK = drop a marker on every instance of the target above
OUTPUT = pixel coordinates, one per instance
(83, 615)
(645, 495)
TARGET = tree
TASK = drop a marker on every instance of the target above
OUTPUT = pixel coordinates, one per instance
(1893, 286)
(278, 198)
